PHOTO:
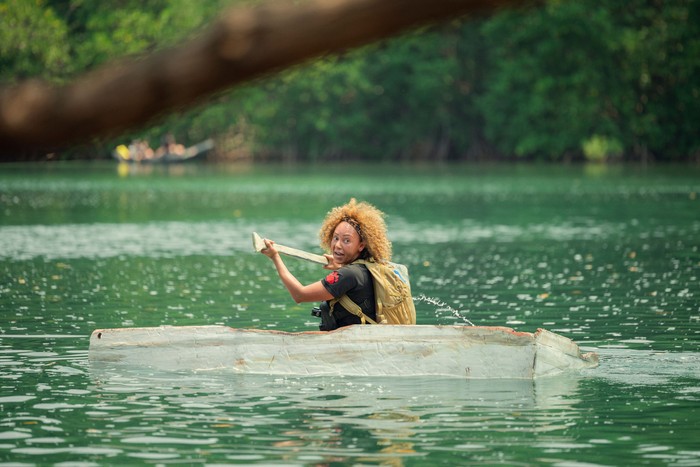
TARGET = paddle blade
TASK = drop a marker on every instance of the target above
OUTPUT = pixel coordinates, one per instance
(258, 243)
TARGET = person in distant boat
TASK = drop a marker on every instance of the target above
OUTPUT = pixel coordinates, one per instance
(349, 232)
(140, 150)
(169, 146)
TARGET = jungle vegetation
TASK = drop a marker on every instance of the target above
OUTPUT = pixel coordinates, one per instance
(563, 81)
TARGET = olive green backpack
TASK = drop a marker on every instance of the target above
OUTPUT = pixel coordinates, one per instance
(392, 293)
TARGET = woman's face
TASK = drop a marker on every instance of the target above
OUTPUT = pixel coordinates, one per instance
(346, 244)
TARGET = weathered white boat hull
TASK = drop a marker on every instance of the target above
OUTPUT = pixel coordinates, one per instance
(472, 352)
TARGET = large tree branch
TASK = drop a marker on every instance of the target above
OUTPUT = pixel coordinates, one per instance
(242, 45)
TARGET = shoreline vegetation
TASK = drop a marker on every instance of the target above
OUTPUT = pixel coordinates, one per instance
(563, 82)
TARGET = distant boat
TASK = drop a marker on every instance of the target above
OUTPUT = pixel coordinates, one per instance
(471, 352)
(130, 154)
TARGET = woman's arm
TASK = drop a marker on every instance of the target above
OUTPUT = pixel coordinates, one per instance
(300, 293)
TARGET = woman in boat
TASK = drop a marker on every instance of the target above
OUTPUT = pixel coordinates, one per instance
(349, 232)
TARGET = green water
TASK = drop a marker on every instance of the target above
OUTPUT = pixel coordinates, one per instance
(608, 257)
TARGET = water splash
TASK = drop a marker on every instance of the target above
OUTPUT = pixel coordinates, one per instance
(440, 305)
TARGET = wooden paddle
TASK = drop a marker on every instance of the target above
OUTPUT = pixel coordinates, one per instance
(259, 245)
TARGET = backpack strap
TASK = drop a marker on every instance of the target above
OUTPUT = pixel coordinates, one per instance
(353, 308)
(378, 306)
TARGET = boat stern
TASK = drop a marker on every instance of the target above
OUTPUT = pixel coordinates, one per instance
(556, 354)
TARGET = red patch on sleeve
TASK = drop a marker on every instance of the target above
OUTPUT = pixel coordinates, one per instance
(332, 278)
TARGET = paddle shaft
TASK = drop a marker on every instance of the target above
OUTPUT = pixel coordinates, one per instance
(259, 245)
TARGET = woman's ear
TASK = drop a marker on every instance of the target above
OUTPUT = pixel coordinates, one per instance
(362, 246)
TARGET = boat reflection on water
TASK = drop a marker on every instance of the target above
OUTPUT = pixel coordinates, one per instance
(386, 419)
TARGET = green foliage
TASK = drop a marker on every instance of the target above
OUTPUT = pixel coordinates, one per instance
(546, 90)
(660, 68)
(590, 79)
(33, 41)
(378, 103)
(112, 29)
(599, 148)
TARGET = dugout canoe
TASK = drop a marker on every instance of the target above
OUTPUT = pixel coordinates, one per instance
(471, 352)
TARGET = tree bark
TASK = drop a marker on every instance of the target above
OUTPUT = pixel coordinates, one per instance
(242, 45)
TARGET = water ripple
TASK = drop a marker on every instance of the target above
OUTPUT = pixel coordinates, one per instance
(157, 239)
(168, 239)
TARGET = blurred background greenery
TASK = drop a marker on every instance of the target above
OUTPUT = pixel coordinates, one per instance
(594, 80)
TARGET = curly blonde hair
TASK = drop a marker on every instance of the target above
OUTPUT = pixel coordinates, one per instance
(367, 220)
